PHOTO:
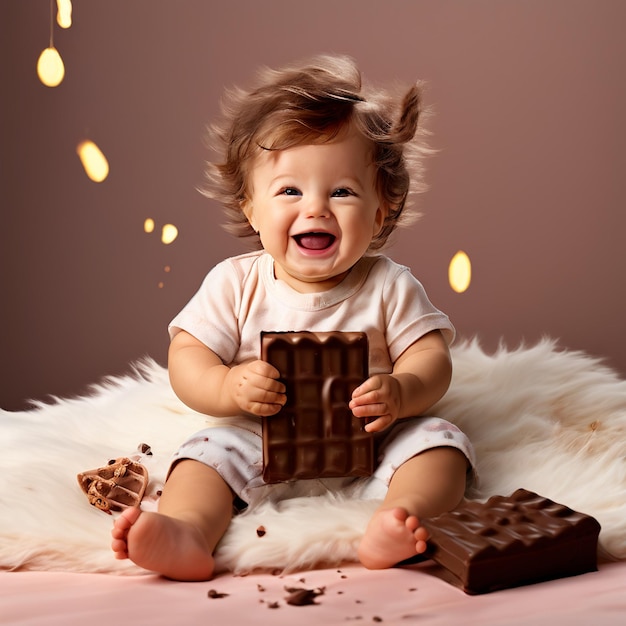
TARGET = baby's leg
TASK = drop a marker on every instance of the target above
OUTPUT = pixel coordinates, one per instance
(428, 484)
(178, 541)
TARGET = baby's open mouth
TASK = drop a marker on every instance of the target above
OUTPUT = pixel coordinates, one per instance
(315, 241)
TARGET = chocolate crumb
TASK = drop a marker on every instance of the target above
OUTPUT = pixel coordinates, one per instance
(216, 594)
(344, 576)
(260, 531)
(377, 619)
(302, 597)
(273, 605)
(260, 587)
(144, 448)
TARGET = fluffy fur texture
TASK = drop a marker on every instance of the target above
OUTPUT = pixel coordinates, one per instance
(547, 420)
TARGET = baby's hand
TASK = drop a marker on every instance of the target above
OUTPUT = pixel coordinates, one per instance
(378, 396)
(256, 389)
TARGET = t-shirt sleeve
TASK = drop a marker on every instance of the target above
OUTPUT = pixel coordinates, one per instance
(211, 314)
(410, 314)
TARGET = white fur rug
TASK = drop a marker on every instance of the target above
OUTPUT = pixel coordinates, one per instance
(548, 420)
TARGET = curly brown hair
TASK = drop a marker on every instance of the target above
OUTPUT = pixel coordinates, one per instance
(309, 103)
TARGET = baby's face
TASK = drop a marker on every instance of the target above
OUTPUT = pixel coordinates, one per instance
(316, 209)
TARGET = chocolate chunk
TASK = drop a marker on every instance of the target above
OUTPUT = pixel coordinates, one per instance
(508, 542)
(116, 486)
(212, 593)
(144, 448)
(315, 434)
(302, 597)
(260, 531)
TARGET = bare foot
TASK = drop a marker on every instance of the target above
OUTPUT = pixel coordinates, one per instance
(391, 536)
(156, 542)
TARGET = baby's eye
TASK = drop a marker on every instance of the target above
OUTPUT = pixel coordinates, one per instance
(289, 191)
(342, 192)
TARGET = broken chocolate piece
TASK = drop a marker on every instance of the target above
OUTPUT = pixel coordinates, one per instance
(116, 486)
(144, 448)
(315, 435)
(508, 542)
(302, 597)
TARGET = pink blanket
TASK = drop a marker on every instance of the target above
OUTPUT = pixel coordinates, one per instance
(351, 594)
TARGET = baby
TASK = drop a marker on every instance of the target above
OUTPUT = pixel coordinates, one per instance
(317, 172)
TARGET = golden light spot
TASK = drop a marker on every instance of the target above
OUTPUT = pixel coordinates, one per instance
(64, 13)
(169, 233)
(148, 225)
(50, 68)
(95, 163)
(460, 272)
(167, 269)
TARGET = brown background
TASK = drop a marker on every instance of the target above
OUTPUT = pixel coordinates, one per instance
(530, 123)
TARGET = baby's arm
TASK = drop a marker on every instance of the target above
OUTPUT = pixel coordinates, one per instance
(202, 381)
(420, 377)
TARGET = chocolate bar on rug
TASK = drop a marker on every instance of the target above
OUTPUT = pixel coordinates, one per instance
(512, 541)
(315, 434)
(116, 486)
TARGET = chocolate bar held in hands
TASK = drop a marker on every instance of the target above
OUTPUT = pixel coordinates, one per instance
(315, 434)
(508, 542)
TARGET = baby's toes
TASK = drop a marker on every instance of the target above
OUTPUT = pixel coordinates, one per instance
(126, 519)
(120, 548)
(420, 534)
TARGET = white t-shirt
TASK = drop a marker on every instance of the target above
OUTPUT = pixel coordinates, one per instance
(240, 297)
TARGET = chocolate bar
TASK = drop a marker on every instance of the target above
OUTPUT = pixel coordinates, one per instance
(508, 542)
(315, 434)
(116, 486)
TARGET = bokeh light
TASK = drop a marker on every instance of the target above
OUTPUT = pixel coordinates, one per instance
(169, 233)
(95, 163)
(460, 272)
(64, 13)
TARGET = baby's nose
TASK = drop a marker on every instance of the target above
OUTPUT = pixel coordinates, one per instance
(318, 207)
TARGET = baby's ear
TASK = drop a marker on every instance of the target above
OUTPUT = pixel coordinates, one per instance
(246, 207)
(379, 219)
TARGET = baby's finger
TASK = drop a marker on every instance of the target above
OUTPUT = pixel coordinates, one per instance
(366, 409)
(262, 409)
(379, 424)
(265, 369)
(362, 389)
(264, 383)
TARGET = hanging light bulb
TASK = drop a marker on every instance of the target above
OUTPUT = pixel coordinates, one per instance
(64, 13)
(50, 68)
